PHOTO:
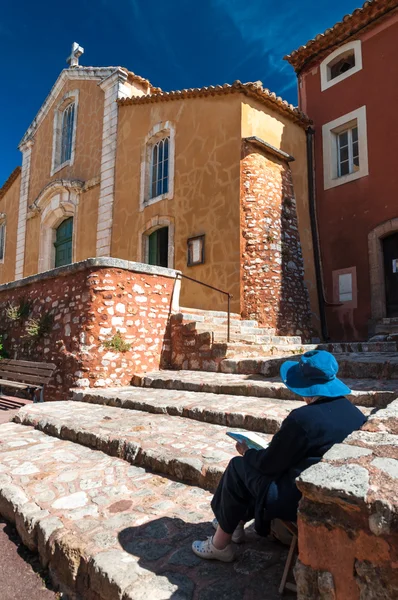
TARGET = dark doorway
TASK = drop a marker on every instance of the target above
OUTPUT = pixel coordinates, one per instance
(159, 247)
(390, 253)
(63, 243)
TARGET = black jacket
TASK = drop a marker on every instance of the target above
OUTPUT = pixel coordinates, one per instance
(304, 437)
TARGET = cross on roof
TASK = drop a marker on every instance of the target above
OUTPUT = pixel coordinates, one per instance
(77, 51)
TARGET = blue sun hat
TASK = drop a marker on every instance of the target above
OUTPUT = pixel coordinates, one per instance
(314, 375)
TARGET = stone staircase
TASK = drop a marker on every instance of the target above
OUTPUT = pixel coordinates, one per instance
(112, 488)
(200, 341)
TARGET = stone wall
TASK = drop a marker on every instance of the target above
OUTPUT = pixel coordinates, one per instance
(88, 303)
(273, 291)
(348, 518)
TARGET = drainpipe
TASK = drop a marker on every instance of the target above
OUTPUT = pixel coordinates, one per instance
(314, 230)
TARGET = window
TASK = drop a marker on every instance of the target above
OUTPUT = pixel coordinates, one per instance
(160, 168)
(2, 241)
(157, 165)
(63, 243)
(340, 64)
(64, 135)
(345, 149)
(196, 250)
(158, 247)
(68, 118)
(345, 287)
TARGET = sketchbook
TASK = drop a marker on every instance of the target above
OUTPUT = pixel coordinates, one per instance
(253, 441)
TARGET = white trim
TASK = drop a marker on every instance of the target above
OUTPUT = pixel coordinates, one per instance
(23, 208)
(81, 73)
(55, 204)
(71, 97)
(160, 130)
(326, 83)
(329, 143)
(3, 223)
(114, 88)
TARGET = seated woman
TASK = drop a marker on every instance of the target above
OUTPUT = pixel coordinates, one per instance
(260, 484)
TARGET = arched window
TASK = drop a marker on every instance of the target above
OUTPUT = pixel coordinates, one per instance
(160, 168)
(2, 237)
(64, 137)
(340, 64)
(68, 118)
(157, 166)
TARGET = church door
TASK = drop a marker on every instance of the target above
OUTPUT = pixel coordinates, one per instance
(63, 243)
(390, 253)
(159, 247)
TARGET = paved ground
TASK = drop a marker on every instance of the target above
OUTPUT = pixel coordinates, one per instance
(21, 576)
(127, 531)
(9, 406)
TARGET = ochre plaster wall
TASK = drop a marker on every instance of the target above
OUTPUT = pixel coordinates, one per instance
(206, 190)
(86, 166)
(87, 224)
(9, 205)
(280, 132)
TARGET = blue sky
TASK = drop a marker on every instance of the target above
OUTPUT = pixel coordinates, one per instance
(174, 43)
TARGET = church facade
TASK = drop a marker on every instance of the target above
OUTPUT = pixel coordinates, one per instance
(211, 182)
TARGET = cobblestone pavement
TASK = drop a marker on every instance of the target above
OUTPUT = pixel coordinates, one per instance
(366, 392)
(188, 450)
(95, 518)
(9, 406)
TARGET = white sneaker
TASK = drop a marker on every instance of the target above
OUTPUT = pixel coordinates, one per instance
(238, 536)
(208, 551)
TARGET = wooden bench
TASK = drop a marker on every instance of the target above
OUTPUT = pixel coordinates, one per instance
(285, 585)
(25, 375)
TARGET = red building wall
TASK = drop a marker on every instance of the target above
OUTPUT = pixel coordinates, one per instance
(349, 212)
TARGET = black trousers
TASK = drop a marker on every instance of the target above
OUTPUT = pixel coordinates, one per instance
(241, 496)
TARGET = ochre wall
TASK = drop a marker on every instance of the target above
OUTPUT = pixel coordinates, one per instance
(206, 190)
(86, 166)
(9, 204)
(280, 132)
(347, 213)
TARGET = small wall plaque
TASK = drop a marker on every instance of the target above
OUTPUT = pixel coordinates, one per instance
(196, 250)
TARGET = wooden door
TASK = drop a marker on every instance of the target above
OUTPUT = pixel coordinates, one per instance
(390, 252)
(63, 243)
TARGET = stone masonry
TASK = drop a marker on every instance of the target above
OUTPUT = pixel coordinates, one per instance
(348, 518)
(273, 290)
(88, 303)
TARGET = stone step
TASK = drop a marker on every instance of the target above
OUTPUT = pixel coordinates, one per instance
(185, 449)
(366, 392)
(364, 365)
(110, 531)
(264, 415)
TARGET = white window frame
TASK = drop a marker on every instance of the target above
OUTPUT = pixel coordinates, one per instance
(355, 47)
(3, 226)
(157, 133)
(330, 133)
(71, 97)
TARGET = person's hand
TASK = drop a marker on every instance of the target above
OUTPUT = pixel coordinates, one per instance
(241, 447)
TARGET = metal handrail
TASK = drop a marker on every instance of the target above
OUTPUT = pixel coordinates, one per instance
(229, 296)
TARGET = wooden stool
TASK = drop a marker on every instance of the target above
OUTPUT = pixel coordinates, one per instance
(292, 528)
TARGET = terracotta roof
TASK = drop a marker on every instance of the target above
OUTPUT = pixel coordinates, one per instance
(350, 25)
(253, 90)
(7, 184)
(137, 78)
